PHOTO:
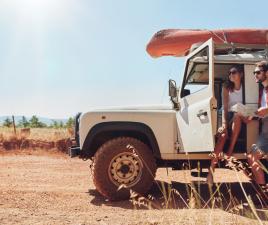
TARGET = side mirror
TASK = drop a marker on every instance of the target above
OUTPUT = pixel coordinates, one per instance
(173, 93)
(172, 88)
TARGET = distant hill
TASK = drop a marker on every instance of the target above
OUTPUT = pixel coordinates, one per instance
(45, 120)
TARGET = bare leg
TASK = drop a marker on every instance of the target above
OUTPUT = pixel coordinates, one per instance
(236, 127)
(257, 171)
(218, 150)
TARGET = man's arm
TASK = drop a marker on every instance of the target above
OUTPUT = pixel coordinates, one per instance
(262, 111)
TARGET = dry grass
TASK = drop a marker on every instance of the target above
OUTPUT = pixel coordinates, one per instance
(250, 201)
(51, 134)
(44, 138)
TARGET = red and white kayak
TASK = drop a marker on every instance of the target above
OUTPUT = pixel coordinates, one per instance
(177, 42)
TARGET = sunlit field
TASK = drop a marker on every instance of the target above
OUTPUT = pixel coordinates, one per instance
(232, 193)
(51, 134)
(35, 138)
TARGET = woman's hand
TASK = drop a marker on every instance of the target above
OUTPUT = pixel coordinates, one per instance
(223, 129)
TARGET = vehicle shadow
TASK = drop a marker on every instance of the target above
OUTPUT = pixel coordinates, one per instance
(237, 198)
(100, 200)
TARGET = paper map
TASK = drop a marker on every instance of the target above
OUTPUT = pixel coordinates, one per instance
(245, 110)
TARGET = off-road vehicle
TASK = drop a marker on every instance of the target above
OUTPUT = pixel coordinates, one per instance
(128, 145)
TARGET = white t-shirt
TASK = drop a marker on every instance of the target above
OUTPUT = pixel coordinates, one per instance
(263, 98)
(235, 96)
(265, 118)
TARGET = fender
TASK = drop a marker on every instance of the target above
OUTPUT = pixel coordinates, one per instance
(120, 127)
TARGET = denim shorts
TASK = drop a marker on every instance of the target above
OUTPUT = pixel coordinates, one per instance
(230, 116)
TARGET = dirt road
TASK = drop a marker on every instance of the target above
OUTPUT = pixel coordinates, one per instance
(50, 188)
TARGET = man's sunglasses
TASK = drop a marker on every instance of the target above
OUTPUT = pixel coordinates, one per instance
(258, 72)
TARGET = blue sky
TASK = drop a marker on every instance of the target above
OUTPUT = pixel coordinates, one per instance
(59, 57)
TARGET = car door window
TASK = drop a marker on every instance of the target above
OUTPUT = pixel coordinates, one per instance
(197, 77)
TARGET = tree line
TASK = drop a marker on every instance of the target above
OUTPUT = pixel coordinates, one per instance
(34, 122)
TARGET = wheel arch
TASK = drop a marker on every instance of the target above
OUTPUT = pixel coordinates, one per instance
(105, 131)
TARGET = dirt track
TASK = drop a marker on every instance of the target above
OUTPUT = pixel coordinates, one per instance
(50, 188)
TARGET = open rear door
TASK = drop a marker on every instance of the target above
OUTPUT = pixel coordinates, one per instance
(197, 117)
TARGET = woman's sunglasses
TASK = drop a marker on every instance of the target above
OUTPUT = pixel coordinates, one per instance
(233, 72)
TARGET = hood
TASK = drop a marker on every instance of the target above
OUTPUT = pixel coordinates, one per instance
(136, 107)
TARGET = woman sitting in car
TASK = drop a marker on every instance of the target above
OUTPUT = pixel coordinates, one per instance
(232, 94)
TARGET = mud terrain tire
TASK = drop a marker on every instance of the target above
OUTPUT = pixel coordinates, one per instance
(123, 164)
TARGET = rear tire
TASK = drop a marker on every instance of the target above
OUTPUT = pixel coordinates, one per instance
(123, 164)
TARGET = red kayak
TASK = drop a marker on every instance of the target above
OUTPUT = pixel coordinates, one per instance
(177, 42)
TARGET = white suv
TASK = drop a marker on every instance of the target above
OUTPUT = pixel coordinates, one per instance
(127, 145)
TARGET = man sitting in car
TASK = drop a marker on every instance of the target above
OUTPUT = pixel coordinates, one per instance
(260, 149)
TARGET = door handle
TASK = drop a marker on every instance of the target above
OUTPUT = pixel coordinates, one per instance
(202, 114)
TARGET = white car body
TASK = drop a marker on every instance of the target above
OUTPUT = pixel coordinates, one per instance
(180, 133)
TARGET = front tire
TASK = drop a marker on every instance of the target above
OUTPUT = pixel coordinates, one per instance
(121, 165)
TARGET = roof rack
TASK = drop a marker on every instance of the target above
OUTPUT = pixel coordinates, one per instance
(236, 48)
